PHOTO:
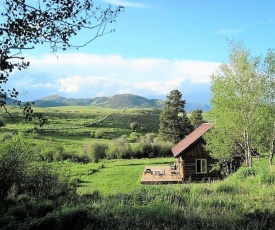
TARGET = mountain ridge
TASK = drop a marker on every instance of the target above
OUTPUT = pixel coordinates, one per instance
(116, 101)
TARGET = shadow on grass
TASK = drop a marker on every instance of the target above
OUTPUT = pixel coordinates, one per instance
(149, 163)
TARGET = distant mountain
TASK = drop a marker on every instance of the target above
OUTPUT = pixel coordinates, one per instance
(116, 101)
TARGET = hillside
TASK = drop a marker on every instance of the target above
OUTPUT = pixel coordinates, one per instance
(119, 101)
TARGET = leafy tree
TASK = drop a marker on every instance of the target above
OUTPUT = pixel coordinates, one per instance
(26, 24)
(119, 148)
(133, 125)
(238, 90)
(174, 123)
(146, 144)
(269, 108)
(196, 118)
(95, 151)
(161, 148)
(134, 136)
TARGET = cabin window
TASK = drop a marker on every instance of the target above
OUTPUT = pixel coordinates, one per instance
(201, 166)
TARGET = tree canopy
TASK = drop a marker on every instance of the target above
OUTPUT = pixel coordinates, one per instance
(174, 123)
(196, 118)
(241, 92)
(24, 24)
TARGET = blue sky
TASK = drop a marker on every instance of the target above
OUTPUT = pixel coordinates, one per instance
(157, 46)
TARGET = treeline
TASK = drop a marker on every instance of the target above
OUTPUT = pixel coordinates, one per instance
(134, 146)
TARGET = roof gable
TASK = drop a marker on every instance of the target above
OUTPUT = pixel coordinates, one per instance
(190, 139)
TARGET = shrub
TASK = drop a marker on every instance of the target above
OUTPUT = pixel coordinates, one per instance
(134, 137)
(95, 151)
(133, 125)
(50, 152)
(13, 158)
(119, 148)
(226, 188)
(6, 136)
(162, 148)
(267, 176)
(2, 123)
(245, 172)
(146, 146)
(98, 133)
(137, 150)
(41, 181)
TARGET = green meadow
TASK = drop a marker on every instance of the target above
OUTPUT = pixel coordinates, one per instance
(108, 194)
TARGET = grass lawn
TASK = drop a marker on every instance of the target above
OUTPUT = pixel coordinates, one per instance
(110, 176)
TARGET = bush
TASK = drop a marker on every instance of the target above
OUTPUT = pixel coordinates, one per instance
(134, 137)
(146, 146)
(267, 176)
(95, 151)
(137, 150)
(119, 148)
(162, 148)
(133, 125)
(99, 133)
(2, 123)
(6, 136)
(50, 152)
(42, 181)
(245, 172)
(13, 158)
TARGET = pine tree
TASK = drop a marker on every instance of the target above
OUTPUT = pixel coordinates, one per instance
(196, 118)
(174, 123)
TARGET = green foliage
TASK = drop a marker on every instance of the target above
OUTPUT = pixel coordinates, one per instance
(112, 196)
(95, 151)
(174, 123)
(246, 172)
(5, 136)
(134, 136)
(50, 152)
(99, 133)
(196, 118)
(2, 123)
(118, 149)
(137, 150)
(13, 159)
(162, 148)
(239, 92)
(41, 181)
(53, 22)
(134, 125)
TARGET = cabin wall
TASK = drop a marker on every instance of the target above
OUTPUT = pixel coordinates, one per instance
(197, 151)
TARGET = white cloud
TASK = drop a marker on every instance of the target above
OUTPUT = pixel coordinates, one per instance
(230, 31)
(159, 87)
(125, 3)
(90, 75)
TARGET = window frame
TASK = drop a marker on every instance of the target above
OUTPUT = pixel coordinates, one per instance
(202, 166)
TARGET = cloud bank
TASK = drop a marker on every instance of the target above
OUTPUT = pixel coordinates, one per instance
(90, 75)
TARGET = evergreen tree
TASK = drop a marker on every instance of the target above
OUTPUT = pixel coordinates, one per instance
(174, 123)
(196, 118)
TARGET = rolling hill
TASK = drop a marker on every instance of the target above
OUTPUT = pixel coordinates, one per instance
(116, 101)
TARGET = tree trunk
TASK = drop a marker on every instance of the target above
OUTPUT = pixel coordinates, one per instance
(248, 155)
(271, 152)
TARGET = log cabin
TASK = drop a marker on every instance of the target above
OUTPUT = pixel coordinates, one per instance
(193, 160)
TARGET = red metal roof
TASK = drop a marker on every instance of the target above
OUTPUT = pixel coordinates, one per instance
(191, 138)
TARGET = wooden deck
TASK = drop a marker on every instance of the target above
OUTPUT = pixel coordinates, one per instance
(160, 175)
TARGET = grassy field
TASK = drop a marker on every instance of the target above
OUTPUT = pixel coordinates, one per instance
(72, 125)
(244, 200)
(110, 177)
(111, 195)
